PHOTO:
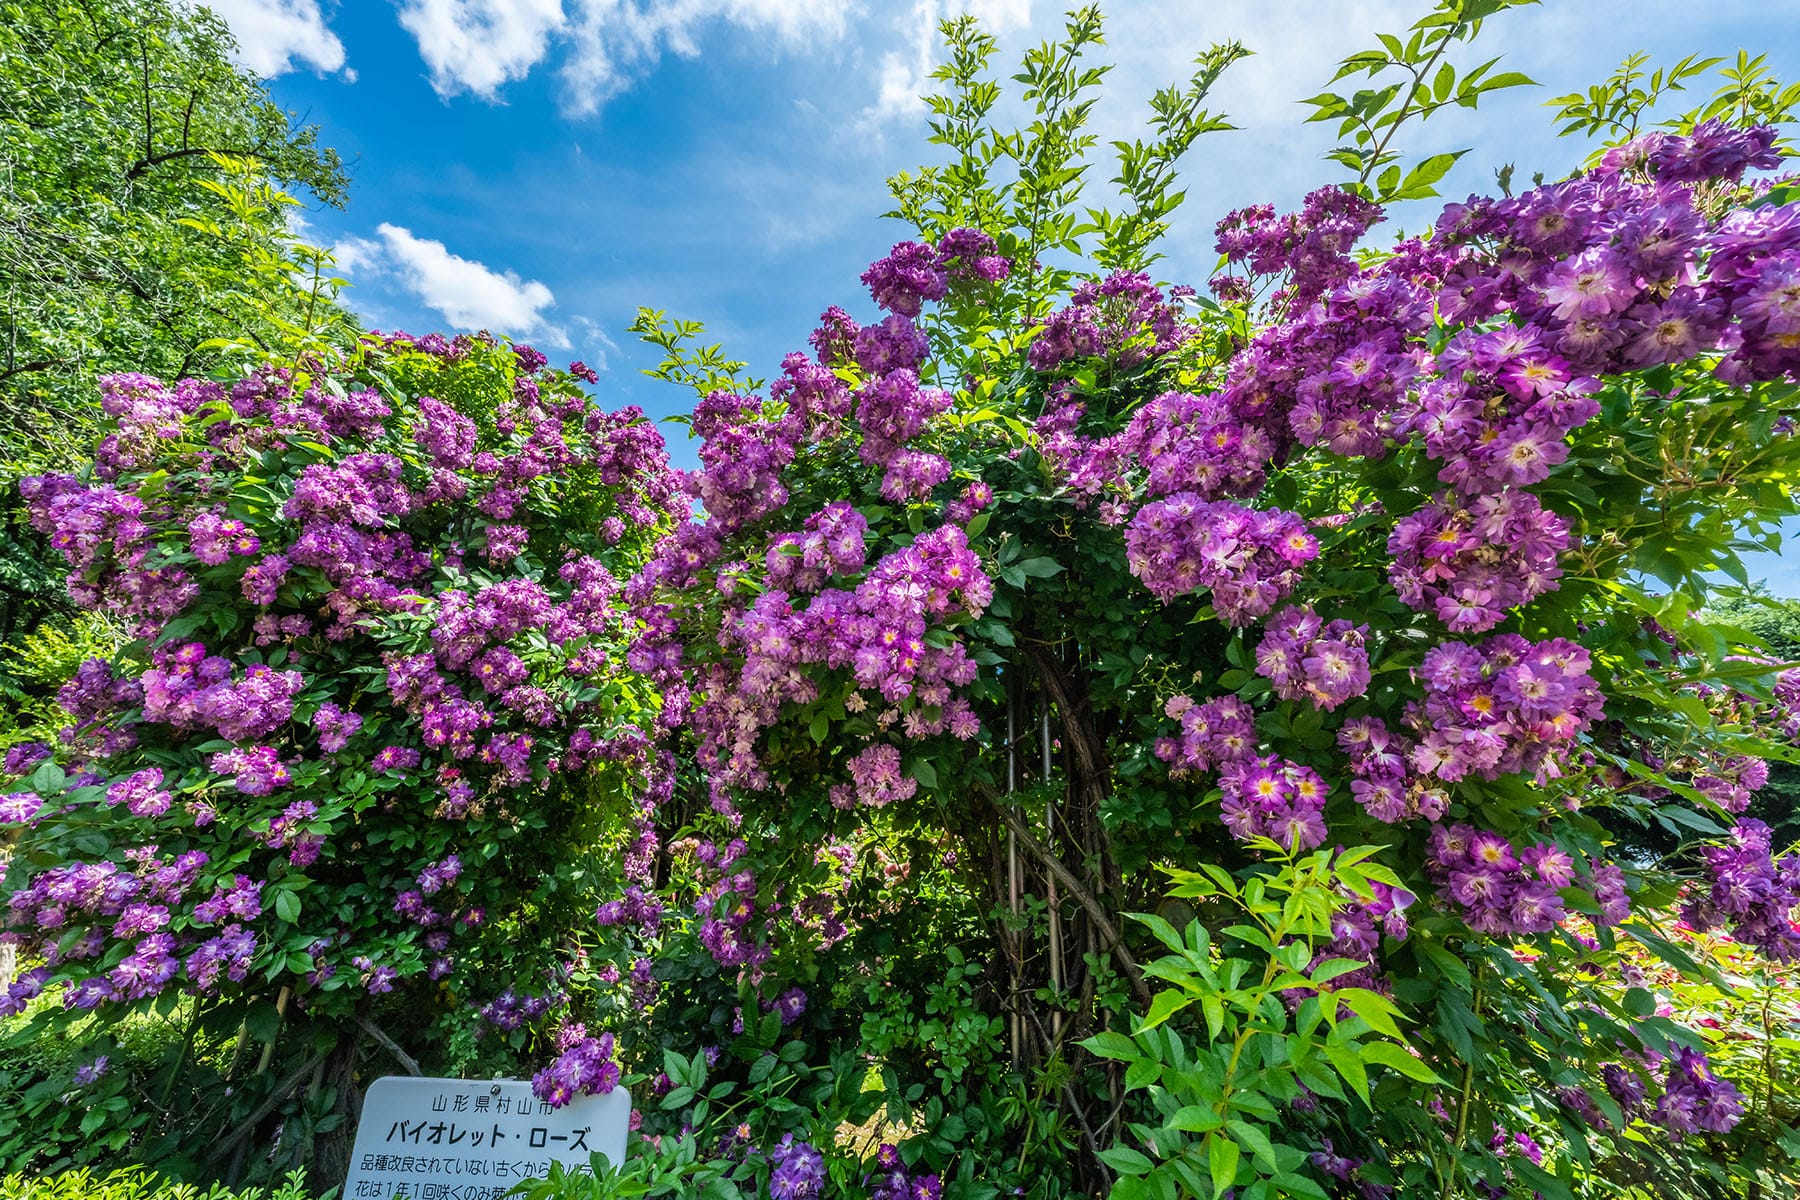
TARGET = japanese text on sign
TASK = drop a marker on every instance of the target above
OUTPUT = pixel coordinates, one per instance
(460, 1139)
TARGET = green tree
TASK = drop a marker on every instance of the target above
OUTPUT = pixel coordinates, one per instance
(109, 115)
(1775, 622)
(115, 254)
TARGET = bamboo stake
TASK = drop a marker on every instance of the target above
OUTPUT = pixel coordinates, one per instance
(1056, 948)
(1014, 1018)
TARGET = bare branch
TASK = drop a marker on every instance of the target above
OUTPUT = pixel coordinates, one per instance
(390, 1045)
(42, 364)
(248, 1125)
(1095, 911)
(155, 160)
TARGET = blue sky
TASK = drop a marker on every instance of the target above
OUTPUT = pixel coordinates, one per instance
(544, 167)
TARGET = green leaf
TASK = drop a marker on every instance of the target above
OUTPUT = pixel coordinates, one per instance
(1040, 568)
(1196, 1118)
(1454, 968)
(1325, 972)
(1142, 1073)
(1256, 1141)
(263, 1021)
(48, 779)
(1544, 1183)
(1372, 1007)
(1126, 1161)
(1222, 1161)
(1418, 182)
(1507, 79)
(1110, 1044)
(1392, 1056)
(1214, 1008)
(1290, 1185)
(1445, 81)
(287, 906)
(1349, 1064)
(1166, 1004)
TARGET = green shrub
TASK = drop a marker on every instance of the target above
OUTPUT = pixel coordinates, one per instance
(138, 1185)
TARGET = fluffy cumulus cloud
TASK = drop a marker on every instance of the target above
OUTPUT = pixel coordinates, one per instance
(276, 36)
(478, 46)
(469, 295)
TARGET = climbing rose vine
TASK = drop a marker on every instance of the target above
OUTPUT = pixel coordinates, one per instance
(1374, 550)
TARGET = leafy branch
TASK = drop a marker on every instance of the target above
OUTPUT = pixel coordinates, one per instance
(705, 369)
(1428, 82)
(1147, 169)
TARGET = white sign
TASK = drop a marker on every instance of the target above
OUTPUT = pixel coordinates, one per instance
(474, 1139)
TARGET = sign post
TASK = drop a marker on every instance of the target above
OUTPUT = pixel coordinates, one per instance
(469, 1139)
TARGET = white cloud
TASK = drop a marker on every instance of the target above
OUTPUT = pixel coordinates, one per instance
(614, 39)
(467, 294)
(274, 36)
(905, 75)
(355, 255)
(593, 342)
(478, 45)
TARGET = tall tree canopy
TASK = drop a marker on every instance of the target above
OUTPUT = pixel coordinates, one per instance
(110, 113)
(115, 252)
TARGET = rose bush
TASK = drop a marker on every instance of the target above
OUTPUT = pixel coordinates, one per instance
(376, 718)
(1040, 588)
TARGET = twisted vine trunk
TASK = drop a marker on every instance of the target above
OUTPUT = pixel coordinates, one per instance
(331, 1150)
(1060, 854)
